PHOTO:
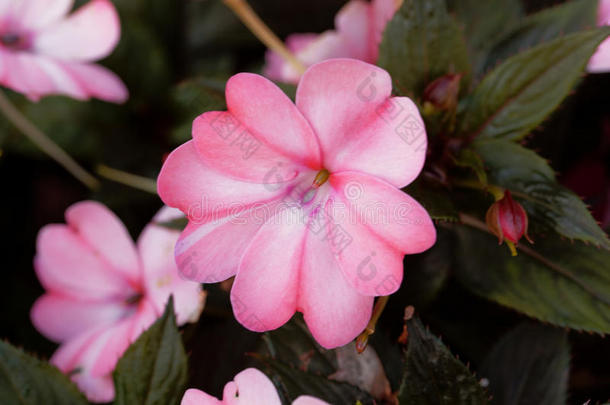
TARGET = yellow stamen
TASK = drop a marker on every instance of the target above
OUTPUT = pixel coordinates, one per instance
(321, 178)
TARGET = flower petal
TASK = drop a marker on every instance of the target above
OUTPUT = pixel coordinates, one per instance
(272, 118)
(89, 34)
(36, 14)
(600, 61)
(307, 400)
(360, 128)
(353, 23)
(23, 73)
(382, 13)
(61, 318)
(196, 397)
(156, 247)
(333, 310)
(264, 295)
(203, 194)
(104, 232)
(252, 388)
(96, 81)
(67, 265)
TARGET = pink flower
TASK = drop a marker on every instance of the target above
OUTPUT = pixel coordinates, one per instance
(103, 290)
(44, 51)
(302, 202)
(250, 387)
(359, 29)
(600, 61)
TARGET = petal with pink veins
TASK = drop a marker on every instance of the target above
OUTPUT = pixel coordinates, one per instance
(264, 294)
(333, 310)
(360, 128)
(272, 118)
(104, 232)
(67, 265)
(89, 34)
(62, 318)
(188, 183)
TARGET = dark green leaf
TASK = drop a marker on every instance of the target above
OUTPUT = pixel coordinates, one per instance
(484, 24)
(524, 90)
(153, 370)
(293, 344)
(433, 375)
(26, 380)
(546, 25)
(469, 158)
(436, 200)
(566, 284)
(533, 184)
(422, 42)
(292, 382)
(529, 366)
(191, 99)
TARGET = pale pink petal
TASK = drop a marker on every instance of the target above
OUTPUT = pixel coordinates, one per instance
(353, 23)
(104, 232)
(382, 13)
(272, 118)
(61, 318)
(333, 310)
(603, 12)
(276, 67)
(360, 128)
(196, 397)
(600, 61)
(23, 73)
(265, 291)
(307, 400)
(89, 34)
(156, 247)
(252, 388)
(36, 14)
(96, 81)
(96, 389)
(227, 146)
(67, 265)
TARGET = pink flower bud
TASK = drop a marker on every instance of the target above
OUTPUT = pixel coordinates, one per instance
(442, 93)
(507, 219)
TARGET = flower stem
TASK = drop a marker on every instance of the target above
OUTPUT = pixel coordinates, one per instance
(45, 144)
(363, 339)
(248, 16)
(132, 180)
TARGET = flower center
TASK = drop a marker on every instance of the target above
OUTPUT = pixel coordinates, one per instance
(14, 41)
(321, 178)
(134, 299)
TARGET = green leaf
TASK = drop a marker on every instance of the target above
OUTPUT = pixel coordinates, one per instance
(529, 365)
(433, 375)
(28, 381)
(533, 183)
(192, 98)
(524, 90)
(436, 200)
(484, 24)
(562, 283)
(422, 42)
(546, 25)
(154, 368)
(470, 159)
(292, 383)
(293, 344)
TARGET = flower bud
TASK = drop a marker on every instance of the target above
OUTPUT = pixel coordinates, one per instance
(507, 219)
(442, 93)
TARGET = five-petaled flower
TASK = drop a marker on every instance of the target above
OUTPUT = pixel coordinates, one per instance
(103, 291)
(313, 220)
(45, 51)
(359, 29)
(249, 387)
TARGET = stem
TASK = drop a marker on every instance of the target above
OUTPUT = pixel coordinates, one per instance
(363, 339)
(45, 144)
(248, 16)
(132, 180)
(496, 191)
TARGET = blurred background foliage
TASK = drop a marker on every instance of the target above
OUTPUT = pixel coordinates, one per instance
(175, 56)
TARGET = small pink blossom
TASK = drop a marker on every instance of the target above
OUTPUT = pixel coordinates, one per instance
(302, 202)
(45, 51)
(249, 387)
(102, 290)
(600, 61)
(359, 27)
